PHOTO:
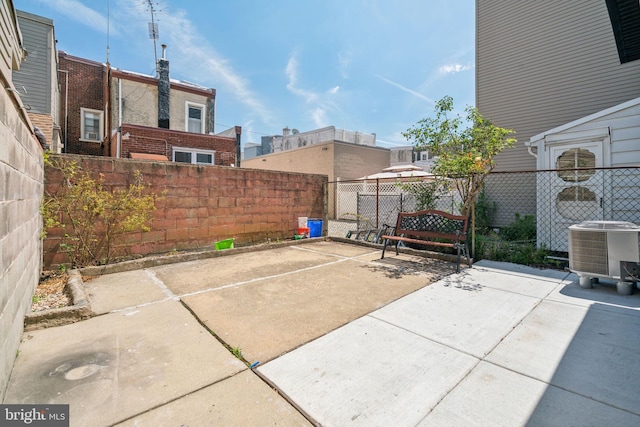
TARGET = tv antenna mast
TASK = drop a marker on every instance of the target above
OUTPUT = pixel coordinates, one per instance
(153, 31)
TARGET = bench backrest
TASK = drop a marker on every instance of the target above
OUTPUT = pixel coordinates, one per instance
(432, 224)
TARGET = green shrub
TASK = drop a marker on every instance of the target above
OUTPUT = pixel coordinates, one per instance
(91, 215)
(523, 228)
(484, 211)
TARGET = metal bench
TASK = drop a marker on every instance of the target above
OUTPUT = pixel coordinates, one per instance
(431, 228)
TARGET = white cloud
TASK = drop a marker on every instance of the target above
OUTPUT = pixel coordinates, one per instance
(454, 68)
(292, 75)
(80, 13)
(320, 105)
(319, 116)
(197, 59)
(405, 89)
(344, 61)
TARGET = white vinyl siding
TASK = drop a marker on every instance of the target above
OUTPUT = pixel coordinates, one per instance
(35, 74)
(543, 63)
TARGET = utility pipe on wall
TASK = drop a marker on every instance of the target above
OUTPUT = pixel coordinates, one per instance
(119, 143)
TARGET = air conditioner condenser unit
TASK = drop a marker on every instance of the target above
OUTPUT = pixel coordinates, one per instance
(597, 248)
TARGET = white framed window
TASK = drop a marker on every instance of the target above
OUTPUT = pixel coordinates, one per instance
(91, 125)
(194, 156)
(194, 117)
(426, 155)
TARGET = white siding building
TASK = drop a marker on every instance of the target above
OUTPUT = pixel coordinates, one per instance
(608, 138)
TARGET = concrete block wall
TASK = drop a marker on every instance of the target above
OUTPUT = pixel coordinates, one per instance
(204, 204)
(21, 186)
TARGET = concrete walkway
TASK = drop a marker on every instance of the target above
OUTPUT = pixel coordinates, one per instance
(339, 338)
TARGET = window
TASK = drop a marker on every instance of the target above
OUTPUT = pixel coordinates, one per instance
(194, 118)
(625, 22)
(568, 162)
(577, 203)
(190, 155)
(91, 125)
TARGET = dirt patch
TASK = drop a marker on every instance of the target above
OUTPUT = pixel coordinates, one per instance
(51, 292)
(59, 299)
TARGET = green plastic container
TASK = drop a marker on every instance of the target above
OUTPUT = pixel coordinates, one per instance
(224, 244)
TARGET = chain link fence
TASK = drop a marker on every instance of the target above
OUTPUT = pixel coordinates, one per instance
(534, 207)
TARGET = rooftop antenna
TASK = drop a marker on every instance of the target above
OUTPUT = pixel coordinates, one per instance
(153, 31)
(108, 26)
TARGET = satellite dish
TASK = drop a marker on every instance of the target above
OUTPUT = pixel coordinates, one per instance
(295, 131)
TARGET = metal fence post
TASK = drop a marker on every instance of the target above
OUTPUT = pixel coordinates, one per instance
(473, 228)
(377, 201)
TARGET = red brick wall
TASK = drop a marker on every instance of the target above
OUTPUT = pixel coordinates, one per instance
(86, 79)
(143, 139)
(204, 204)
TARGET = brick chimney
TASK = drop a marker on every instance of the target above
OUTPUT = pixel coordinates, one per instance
(164, 88)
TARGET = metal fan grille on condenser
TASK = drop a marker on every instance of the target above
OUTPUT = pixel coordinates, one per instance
(588, 252)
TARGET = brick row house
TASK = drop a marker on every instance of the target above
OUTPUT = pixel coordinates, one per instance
(117, 113)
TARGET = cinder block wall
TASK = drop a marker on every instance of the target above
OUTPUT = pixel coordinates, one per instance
(204, 204)
(21, 185)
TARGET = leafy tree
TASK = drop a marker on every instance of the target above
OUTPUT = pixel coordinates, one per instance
(427, 193)
(91, 214)
(465, 147)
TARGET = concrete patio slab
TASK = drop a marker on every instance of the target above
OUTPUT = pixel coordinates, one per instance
(472, 318)
(368, 373)
(242, 400)
(244, 267)
(494, 396)
(122, 290)
(339, 249)
(583, 350)
(115, 366)
(520, 279)
(523, 270)
(269, 317)
(603, 293)
(346, 338)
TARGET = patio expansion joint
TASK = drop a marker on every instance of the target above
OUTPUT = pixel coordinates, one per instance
(478, 359)
(249, 367)
(156, 280)
(259, 279)
(174, 399)
(334, 255)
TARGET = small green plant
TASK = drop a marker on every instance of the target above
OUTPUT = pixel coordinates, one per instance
(35, 299)
(523, 228)
(237, 352)
(91, 214)
(484, 212)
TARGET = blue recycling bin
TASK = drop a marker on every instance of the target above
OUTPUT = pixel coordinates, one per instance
(315, 227)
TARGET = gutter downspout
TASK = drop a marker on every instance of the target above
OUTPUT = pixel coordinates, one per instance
(66, 107)
(119, 144)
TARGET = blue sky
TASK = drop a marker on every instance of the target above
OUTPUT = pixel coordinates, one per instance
(373, 66)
